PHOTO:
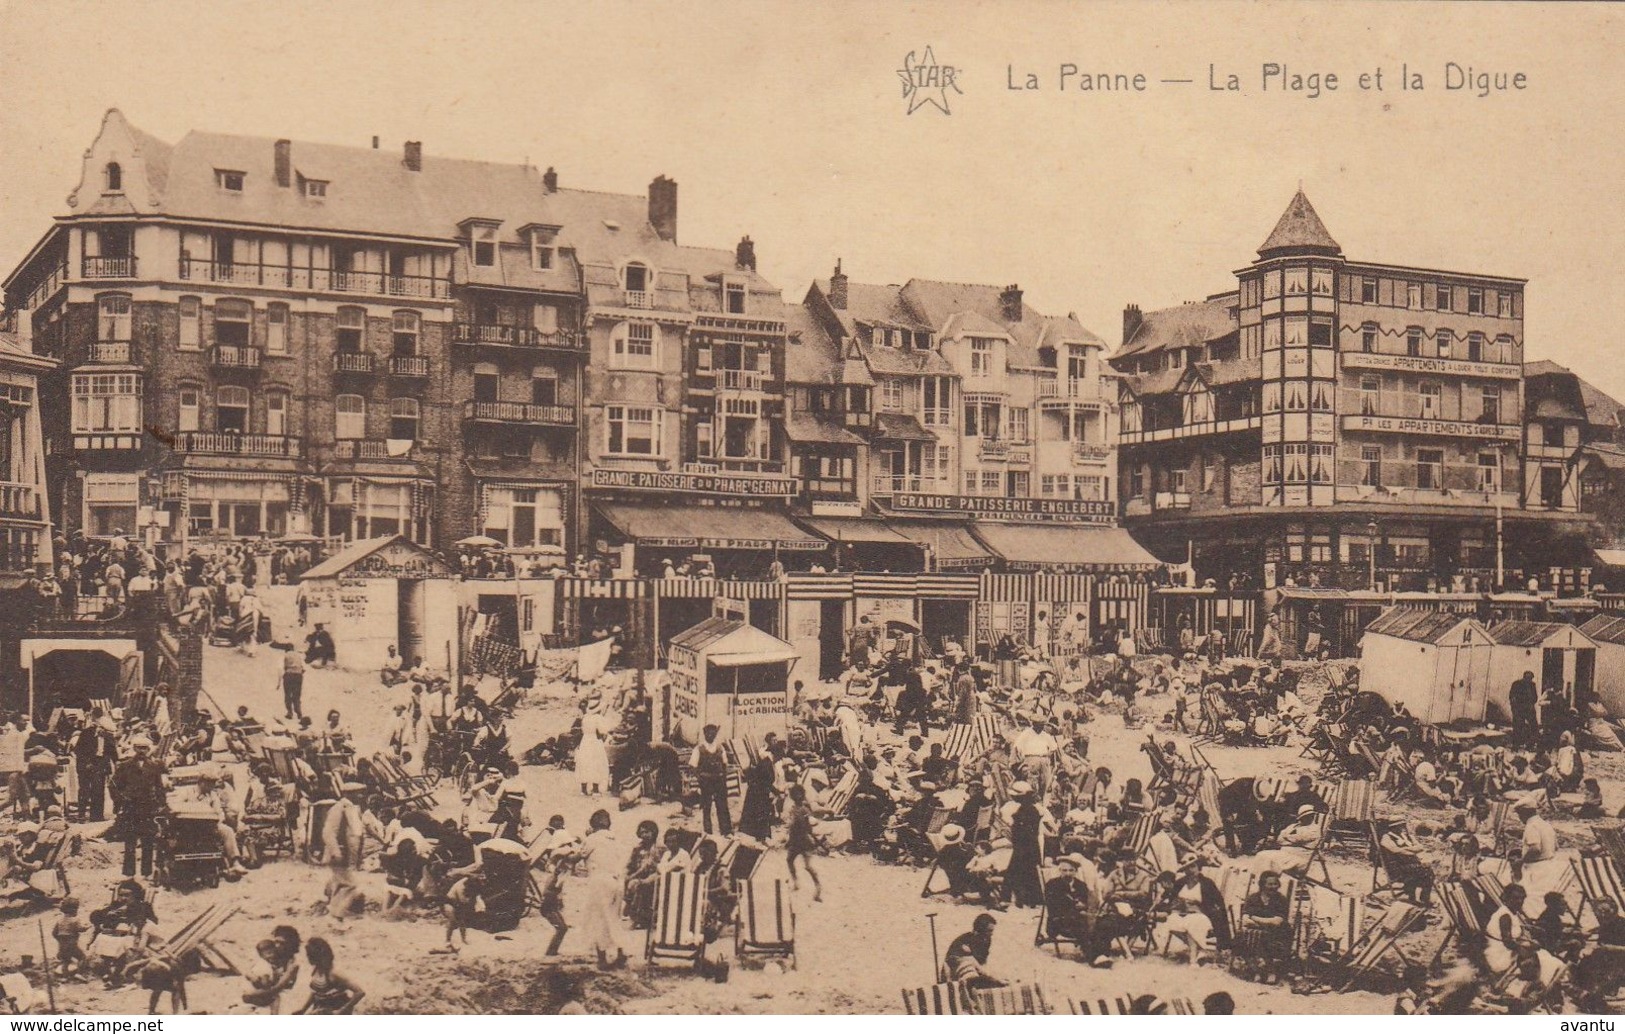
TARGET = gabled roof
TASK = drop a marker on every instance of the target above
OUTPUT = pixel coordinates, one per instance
(1601, 409)
(938, 302)
(1606, 628)
(404, 552)
(1299, 231)
(1417, 626)
(729, 642)
(810, 356)
(1160, 382)
(1191, 324)
(874, 304)
(1526, 633)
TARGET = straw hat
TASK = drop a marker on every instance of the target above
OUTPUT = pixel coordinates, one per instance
(952, 833)
(1021, 788)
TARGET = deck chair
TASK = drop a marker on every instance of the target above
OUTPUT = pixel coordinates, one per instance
(1015, 1000)
(948, 999)
(1599, 880)
(1132, 1005)
(767, 921)
(840, 796)
(1350, 807)
(742, 751)
(1465, 910)
(194, 937)
(678, 931)
(1043, 934)
(1611, 839)
(1399, 919)
(740, 860)
(1386, 864)
(960, 742)
(1138, 836)
(989, 728)
(281, 760)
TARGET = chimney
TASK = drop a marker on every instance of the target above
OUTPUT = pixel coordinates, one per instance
(284, 163)
(663, 208)
(1010, 304)
(1131, 321)
(745, 254)
(550, 181)
(837, 287)
(414, 155)
(375, 143)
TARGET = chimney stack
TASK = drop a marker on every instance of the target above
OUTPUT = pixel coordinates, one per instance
(837, 287)
(550, 181)
(745, 254)
(663, 208)
(375, 143)
(1131, 321)
(284, 163)
(1010, 303)
(414, 155)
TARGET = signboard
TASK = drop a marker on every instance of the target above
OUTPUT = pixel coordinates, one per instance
(1416, 425)
(754, 485)
(747, 705)
(397, 560)
(1058, 511)
(836, 508)
(1421, 364)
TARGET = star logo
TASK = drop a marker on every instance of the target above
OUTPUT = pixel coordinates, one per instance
(926, 82)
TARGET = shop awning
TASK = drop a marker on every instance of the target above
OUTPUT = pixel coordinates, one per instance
(804, 427)
(951, 543)
(857, 529)
(706, 527)
(739, 660)
(901, 427)
(1610, 557)
(1035, 545)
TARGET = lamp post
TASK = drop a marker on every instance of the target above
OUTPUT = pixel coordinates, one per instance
(1371, 555)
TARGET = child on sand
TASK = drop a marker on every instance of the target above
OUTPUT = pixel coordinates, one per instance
(802, 840)
(70, 957)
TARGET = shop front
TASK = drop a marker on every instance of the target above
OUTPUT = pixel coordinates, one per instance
(736, 541)
(203, 504)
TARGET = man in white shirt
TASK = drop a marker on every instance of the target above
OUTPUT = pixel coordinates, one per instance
(1539, 838)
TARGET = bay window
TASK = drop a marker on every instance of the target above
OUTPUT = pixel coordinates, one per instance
(633, 430)
(106, 402)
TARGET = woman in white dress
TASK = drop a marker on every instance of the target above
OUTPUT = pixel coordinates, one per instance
(592, 756)
(604, 859)
(1504, 932)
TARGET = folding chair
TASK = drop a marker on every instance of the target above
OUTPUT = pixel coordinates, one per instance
(767, 921)
(948, 999)
(1138, 836)
(740, 860)
(1599, 880)
(1399, 919)
(1611, 838)
(960, 742)
(1463, 910)
(678, 931)
(989, 728)
(194, 937)
(1015, 1000)
(840, 796)
(1126, 1005)
(1350, 809)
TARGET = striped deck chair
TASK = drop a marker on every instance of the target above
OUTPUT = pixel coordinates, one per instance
(989, 727)
(960, 743)
(1599, 880)
(678, 931)
(840, 795)
(1333, 922)
(1015, 1000)
(767, 921)
(1611, 839)
(1249, 941)
(1133, 1005)
(1137, 838)
(950, 999)
(194, 937)
(1399, 919)
(742, 751)
(736, 785)
(1462, 908)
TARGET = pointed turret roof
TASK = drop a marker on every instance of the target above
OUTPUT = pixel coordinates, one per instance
(1299, 232)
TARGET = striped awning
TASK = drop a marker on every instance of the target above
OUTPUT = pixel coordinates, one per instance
(923, 586)
(696, 588)
(819, 587)
(603, 588)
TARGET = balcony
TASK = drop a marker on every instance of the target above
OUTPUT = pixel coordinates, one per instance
(55, 279)
(352, 362)
(19, 501)
(1089, 452)
(519, 413)
(228, 443)
(501, 335)
(639, 299)
(370, 449)
(1431, 426)
(337, 281)
(1206, 427)
(1066, 391)
(892, 484)
(235, 357)
(110, 352)
(741, 380)
(109, 267)
(409, 365)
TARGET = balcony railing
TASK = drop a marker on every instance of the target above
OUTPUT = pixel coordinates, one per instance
(369, 449)
(640, 299)
(1071, 388)
(104, 267)
(409, 365)
(891, 484)
(397, 285)
(227, 443)
(502, 335)
(352, 362)
(236, 357)
(19, 500)
(110, 352)
(742, 380)
(1164, 434)
(520, 413)
(1088, 452)
(19, 551)
(47, 287)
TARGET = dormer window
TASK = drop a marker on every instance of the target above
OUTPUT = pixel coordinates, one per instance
(485, 246)
(115, 178)
(315, 188)
(229, 179)
(733, 296)
(635, 277)
(541, 247)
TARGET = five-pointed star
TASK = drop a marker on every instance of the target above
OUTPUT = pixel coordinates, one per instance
(918, 95)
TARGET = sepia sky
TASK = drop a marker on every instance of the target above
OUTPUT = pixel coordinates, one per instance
(787, 121)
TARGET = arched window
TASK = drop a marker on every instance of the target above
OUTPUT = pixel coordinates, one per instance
(349, 417)
(231, 409)
(407, 324)
(403, 419)
(115, 178)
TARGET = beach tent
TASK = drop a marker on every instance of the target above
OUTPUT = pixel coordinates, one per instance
(729, 674)
(1434, 662)
(1559, 655)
